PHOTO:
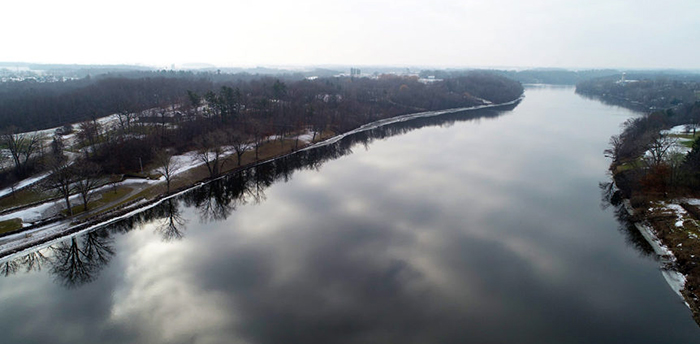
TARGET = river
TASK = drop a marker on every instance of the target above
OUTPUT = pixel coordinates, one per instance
(477, 227)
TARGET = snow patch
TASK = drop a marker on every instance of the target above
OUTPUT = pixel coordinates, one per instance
(24, 183)
(678, 210)
(678, 130)
(675, 279)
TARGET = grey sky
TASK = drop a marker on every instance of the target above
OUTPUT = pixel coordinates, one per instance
(441, 33)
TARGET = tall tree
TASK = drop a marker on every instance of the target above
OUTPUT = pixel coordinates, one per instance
(88, 178)
(236, 139)
(21, 146)
(167, 166)
(61, 179)
(212, 153)
(89, 134)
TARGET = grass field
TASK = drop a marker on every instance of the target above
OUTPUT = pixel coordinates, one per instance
(10, 225)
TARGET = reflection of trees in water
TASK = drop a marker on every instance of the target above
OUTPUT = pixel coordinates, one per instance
(29, 262)
(73, 262)
(34, 261)
(172, 224)
(610, 196)
(216, 200)
(9, 267)
(78, 260)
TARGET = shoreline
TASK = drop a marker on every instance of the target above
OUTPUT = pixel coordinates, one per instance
(678, 281)
(67, 228)
(675, 279)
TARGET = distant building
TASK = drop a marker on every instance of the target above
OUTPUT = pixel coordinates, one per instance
(355, 72)
(429, 80)
(623, 79)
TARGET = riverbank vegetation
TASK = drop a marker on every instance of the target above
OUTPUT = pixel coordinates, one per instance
(656, 165)
(134, 126)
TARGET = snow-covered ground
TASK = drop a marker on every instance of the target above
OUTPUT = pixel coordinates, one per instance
(23, 184)
(678, 130)
(674, 278)
(42, 233)
(682, 129)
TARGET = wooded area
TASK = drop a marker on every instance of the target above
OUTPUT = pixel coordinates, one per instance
(157, 117)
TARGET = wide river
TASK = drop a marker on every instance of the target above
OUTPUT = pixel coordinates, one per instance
(480, 227)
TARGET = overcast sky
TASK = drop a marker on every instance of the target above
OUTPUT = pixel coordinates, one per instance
(440, 33)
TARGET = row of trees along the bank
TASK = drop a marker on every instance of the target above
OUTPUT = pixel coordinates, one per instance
(80, 259)
(641, 91)
(158, 117)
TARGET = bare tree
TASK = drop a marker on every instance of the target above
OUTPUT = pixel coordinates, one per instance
(89, 134)
(62, 178)
(167, 166)
(125, 119)
(88, 174)
(615, 145)
(659, 149)
(212, 153)
(21, 147)
(258, 137)
(238, 141)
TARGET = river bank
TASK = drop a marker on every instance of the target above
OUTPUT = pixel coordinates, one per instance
(151, 193)
(671, 228)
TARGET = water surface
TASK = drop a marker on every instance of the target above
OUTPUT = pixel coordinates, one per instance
(480, 227)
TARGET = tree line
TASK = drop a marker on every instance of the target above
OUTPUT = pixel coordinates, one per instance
(643, 92)
(645, 161)
(221, 122)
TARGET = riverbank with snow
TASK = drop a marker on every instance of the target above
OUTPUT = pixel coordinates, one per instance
(670, 231)
(45, 235)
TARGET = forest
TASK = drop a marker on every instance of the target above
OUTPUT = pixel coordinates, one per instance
(643, 91)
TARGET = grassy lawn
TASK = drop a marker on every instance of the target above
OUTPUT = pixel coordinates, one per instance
(108, 196)
(686, 139)
(687, 143)
(10, 225)
(24, 196)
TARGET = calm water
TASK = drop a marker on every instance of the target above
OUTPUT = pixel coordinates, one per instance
(482, 227)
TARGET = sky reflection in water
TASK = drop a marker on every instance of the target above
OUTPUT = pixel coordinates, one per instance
(481, 230)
